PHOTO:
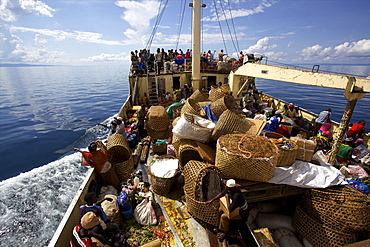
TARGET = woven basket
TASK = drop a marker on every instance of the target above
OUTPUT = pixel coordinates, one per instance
(286, 157)
(318, 234)
(197, 176)
(177, 111)
(157, 118)
(230, 123)
(187, 151)
(158, 149)
(350, 214)
(246, 157)
(222, 104)
(154, 134)
(205, 212)
(161, 186)
(219, 92)
(198, 96)
(144, 152)
(124, 169)
(191, 106)
(118, 148)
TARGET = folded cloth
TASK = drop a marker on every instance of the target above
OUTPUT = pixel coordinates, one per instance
(358, 171)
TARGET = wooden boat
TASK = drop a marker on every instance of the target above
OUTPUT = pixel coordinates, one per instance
(197, 75)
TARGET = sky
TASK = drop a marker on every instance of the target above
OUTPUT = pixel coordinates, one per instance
(52, 32)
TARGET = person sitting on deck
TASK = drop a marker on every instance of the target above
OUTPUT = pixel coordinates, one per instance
(291, 112)
(323, 137)
(98, 158)
(233, 193)
(105, 226)
(357, 130)
(324, 117)
(345, 151)
(274, 122)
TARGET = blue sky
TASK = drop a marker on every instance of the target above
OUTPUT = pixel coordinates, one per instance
(287, 31)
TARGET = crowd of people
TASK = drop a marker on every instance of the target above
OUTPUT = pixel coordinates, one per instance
(162, 61)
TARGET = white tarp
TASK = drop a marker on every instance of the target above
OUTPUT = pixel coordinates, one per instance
(307, 175)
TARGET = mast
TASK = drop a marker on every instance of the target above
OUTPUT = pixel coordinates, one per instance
(195, 76)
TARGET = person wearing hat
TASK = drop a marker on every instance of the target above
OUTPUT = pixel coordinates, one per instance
(291, 112)
(121, 128)
(235, 199)
(88, 232)
(113, 126)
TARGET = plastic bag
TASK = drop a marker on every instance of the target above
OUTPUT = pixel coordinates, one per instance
(122, 201)
(144, 212)
(359, 186)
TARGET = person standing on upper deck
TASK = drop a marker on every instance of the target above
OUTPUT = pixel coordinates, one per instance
(221, 56)
(159, 61)
(241, 57)
(324, 117)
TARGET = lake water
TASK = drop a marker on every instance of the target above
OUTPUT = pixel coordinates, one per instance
(46, 111)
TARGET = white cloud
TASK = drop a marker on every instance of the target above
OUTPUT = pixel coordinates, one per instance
(134, 15)
(354, 50)
(261, 46)
(11, 10)
(61, 35)
(108, 58)
(234, 13)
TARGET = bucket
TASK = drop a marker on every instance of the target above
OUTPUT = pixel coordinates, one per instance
(127, 214)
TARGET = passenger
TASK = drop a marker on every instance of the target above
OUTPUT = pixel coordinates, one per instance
(291, 112)
(298, 128)
(187, 54)
(237, 200)
(221, 56)
(120, 129)
(169, 96)
(357, 130)
(187, 91)
(241, 57)
(159, 61)
(99, 160)
(345, 151)
(323, 137)
(261, 116)
(88, 233)
(274, 122)
(324, 117)
(210, 57)
(113, 126)
(141, 121)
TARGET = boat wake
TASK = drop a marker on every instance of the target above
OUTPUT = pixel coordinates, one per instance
(33, 203)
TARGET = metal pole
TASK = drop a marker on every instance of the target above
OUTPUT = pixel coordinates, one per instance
(196, 77)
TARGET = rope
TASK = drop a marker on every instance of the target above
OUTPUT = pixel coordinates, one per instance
(181, 17)
(232, 20)
(228, 27)
(219, 23)
(161, 9)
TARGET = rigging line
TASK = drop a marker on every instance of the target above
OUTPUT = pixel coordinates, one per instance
(228, 27)
(154, 27)
(219, 23)
(232, 21)
(159, 17)
(180, 26)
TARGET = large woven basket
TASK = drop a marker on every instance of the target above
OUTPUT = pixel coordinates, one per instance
(202, 181)
(155, 134)
(319, 234)
(191, 106)
(219, 92)
(187, 151)
(124, 169)
(198, 96)
(161, 186)
(157, 118)
(349, 213)
(118, 148)
(205, 212)
(286, 157)
(222, 104)
(230, 123)
(246, 157)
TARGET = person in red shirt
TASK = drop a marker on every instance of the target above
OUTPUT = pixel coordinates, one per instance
(356, 130)
(98, 158)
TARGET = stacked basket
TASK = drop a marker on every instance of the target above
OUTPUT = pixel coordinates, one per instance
(230, 123)
(246, 157)
(198, 96)
(157, 123)
(219, 92)
(191, 106)
(332, 217)
(202, 183)
(121, 156)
